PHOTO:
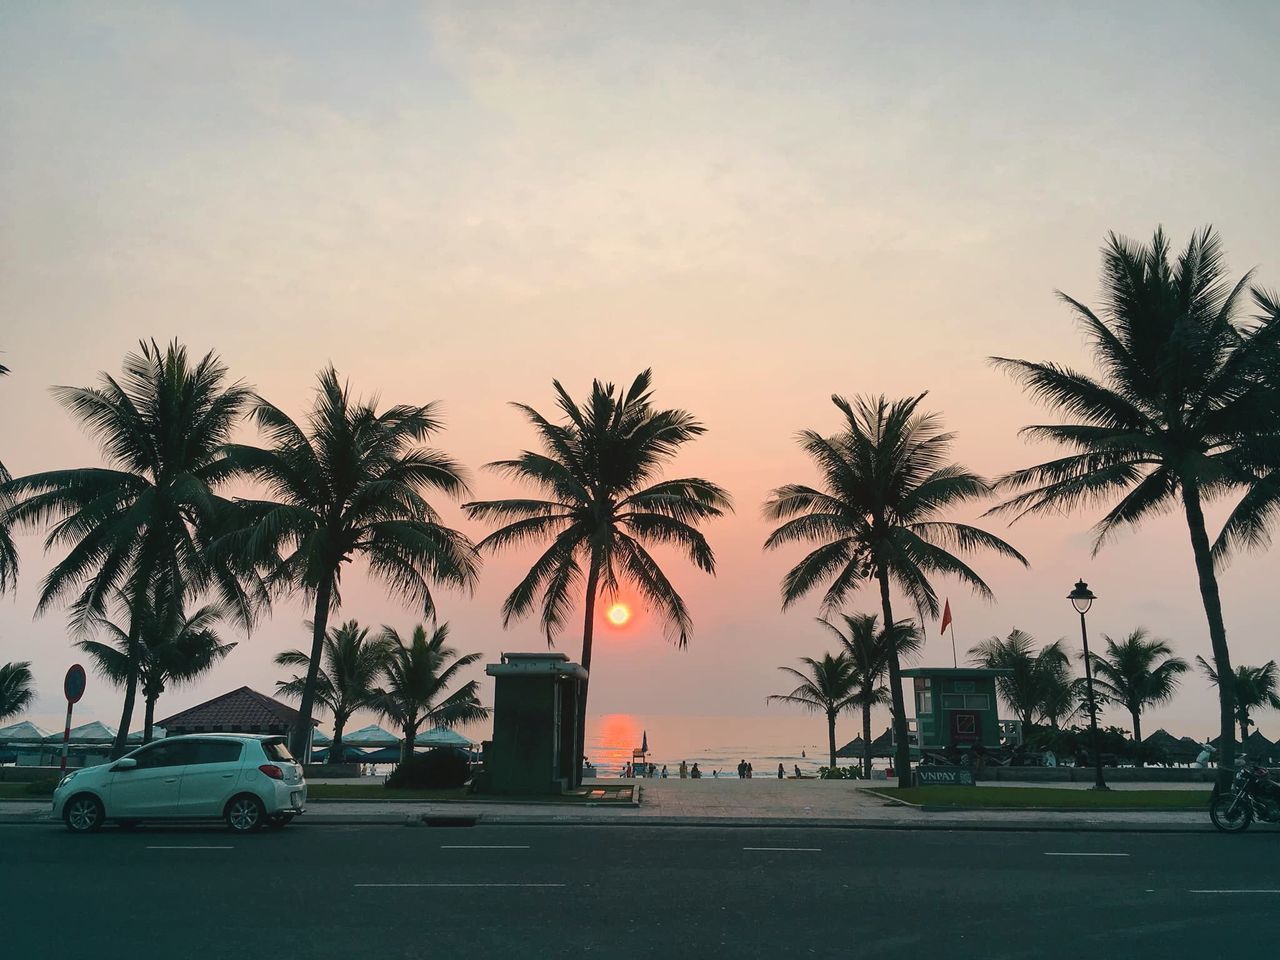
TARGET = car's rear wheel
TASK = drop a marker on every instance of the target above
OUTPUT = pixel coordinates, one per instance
(245, 813)
(279, 820)
(83, 814)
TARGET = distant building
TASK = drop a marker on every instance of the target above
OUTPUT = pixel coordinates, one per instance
(240, 711)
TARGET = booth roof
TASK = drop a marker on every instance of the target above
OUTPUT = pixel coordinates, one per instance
(24, 730)
(370, 736)
(93, 732)
(441, 737)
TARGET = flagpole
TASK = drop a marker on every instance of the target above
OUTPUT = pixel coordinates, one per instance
(954, 661)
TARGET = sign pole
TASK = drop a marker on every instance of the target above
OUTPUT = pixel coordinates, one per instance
(66, 739)
(954, 662)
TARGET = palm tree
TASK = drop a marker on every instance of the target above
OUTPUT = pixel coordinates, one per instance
(867, 647)
(17, 689)
(173, 649)
(886, 481)
(1256, 688)
(417, 675)
(8, 551)
(352, 664)
(135, 530)
(830, 687)
(1136, 673)
(349, 484)
(1037, 684)
(1181, 411)
(605, 509)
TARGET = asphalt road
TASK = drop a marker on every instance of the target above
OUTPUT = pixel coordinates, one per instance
(528, 892)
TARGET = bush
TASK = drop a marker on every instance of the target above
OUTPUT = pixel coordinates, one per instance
(443, 768)
(839, 773)
(40, 788)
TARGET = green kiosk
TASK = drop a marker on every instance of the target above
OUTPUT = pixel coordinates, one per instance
(955, 713)
(535, 718)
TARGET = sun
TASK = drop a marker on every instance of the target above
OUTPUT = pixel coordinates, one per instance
(618, 614)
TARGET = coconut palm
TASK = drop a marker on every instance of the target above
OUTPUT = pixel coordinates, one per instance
(172, 649)
(867, 647)
(417, 675)
(1256, 688)
(885, 484)
(8, 551)
(1180, 412)
(1034, 684)
(605, 508)
(830, 687)
(350, 482)
(1136, 673)
(353, 662)
(134, 530)
(17, 689)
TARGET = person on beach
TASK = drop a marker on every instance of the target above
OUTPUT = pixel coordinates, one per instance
(781, 774)
(664, 771)
(695, 773)
(684, 770)
(750, 770)
(797, 771)
(742, 769)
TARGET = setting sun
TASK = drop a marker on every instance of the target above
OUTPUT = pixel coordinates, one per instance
(618, 614)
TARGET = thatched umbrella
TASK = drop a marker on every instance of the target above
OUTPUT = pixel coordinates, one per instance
(882, 746)
(1165, 746)
(1257, 747)
(1190, 749)
(855, 749)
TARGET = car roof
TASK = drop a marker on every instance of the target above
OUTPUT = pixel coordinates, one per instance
(258, 737)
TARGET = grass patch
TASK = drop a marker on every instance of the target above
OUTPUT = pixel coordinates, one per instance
(33, 790)
(1039, 798)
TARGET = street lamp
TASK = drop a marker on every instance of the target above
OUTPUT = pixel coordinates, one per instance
(1082, 599)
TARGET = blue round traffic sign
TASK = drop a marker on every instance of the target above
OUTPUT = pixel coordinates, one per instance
(73, 683)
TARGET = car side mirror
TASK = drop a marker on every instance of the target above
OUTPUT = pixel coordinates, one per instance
(126, 763)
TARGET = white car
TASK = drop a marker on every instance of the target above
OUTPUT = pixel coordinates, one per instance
(249, 781)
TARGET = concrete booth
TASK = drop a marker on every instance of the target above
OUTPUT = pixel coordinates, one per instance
(956, 712)
(535, 720)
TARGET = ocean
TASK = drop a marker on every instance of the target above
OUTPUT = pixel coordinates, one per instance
(717, 743)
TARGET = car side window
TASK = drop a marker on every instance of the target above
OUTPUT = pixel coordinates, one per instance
(163, 755)
(217, 751)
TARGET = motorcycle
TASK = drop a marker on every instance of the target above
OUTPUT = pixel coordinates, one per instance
(1253, 795)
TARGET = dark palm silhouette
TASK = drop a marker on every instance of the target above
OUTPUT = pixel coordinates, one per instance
(17, 689)
(1036, 682)
(867, 647)
(1136, 673)
(353, 662)
(416, 679)
(134, 530)
(174, 649)
(1181, 411)
(830, 687)
(885, 484)
(605, 508)
(1256, 688)
(350, 483)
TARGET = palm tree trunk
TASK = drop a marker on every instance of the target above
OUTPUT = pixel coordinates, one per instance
(335, 745)
(588, 632)
(1244, 729)
(1137, 738)
(302, 733)
(130, 690)
(1217, 629)
(149, 716)
(866, 738)
(410, 738)
(831, 736)
(902, 761)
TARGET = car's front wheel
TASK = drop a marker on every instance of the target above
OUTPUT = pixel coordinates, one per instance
(83, 814)
(1230, 814)
(245, 813)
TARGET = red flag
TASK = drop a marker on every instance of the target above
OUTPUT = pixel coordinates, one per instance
(946, 616)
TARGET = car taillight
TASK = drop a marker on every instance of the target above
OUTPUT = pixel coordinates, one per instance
(272, 771)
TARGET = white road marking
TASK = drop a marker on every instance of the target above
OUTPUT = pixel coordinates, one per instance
(461, 884)
(786, 849)
(188, 848)
(484, 846)
(1047, 854)
(1233, 891)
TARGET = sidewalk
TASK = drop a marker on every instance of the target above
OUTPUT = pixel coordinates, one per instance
(684, 803)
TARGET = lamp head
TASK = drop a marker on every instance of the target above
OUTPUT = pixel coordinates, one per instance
(1081, 597)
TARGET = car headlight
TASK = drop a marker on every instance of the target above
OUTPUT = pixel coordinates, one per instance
(67, 779)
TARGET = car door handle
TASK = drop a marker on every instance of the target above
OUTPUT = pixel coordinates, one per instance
(227, 776)
(170, 779)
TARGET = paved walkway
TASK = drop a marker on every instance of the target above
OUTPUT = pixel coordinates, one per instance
(701, 802)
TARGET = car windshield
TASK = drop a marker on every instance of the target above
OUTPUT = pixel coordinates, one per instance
(276, 750)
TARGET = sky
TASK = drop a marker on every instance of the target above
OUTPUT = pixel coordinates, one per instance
(766, 202)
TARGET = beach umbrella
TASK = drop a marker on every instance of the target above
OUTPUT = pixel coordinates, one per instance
(1164, 745)
(882, 746)
(1258, 747)
(385, 755)
(441, 737)
(855, 749)
(644, 742)
(1188, 749)
(370, 736)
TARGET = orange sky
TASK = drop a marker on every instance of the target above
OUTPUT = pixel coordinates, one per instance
(766, 208)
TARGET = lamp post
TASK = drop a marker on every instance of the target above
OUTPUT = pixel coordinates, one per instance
(1082, 599)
